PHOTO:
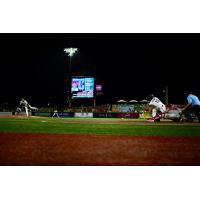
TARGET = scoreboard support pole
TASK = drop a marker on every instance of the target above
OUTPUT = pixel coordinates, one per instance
(94, 101)
(69, 100)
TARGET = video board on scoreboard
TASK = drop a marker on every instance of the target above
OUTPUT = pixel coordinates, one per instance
(82, 87)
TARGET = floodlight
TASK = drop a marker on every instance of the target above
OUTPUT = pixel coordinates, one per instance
(71, 51)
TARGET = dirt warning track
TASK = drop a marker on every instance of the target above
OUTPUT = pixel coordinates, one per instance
(90, 150)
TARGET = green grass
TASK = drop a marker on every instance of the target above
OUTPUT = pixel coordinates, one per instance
(60, 126)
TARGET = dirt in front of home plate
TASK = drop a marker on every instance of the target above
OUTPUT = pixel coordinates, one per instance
(90, 150)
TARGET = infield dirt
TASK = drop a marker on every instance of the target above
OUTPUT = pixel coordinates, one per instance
(90, 150)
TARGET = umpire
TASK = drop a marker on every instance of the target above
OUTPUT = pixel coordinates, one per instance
(193, 105)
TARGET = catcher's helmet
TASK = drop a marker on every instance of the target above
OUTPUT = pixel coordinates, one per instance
(150, 97)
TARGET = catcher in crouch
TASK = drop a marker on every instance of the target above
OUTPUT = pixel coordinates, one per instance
(158, 108)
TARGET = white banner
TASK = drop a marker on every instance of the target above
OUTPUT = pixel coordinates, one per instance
(88, 115)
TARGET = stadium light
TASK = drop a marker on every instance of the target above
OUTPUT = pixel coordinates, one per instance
(70, 51)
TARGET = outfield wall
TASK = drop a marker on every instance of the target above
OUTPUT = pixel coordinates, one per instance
(75, 114)
(13, 113)
(89, 115)
(5, 113)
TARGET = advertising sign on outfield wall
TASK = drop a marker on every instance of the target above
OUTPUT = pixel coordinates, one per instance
(87, 115)
(5, 113)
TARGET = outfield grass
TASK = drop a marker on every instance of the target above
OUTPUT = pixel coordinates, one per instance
(66, 126)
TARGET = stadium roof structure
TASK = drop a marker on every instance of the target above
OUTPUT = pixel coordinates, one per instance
(133, 101)
(121, 101)
(144, 101)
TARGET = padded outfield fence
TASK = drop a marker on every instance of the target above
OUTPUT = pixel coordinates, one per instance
(75, 114)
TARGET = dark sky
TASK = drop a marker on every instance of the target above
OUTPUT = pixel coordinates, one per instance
(130, 66)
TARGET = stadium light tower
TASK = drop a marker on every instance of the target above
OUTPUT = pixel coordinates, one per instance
(70, 51)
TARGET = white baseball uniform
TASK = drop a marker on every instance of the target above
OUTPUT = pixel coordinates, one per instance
(157, 105)
(25, 104)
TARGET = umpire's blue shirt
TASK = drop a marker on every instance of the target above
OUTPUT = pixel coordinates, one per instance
(193, 100)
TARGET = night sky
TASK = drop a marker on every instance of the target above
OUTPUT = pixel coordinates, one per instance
(129, 66)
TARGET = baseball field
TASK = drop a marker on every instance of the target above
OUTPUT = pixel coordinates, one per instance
(42, 141)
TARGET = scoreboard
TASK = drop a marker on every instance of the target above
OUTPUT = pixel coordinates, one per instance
(82, 87)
